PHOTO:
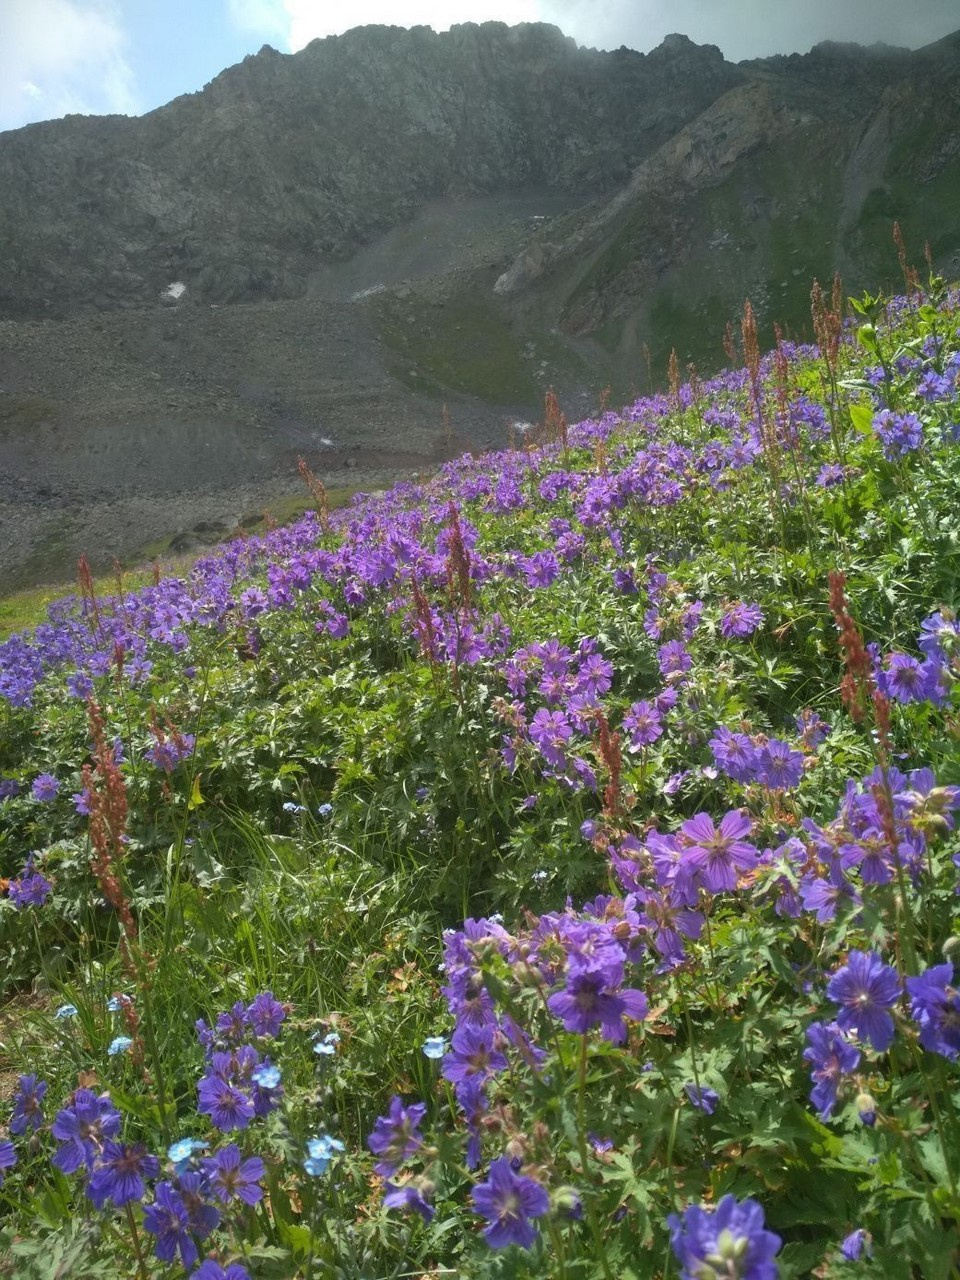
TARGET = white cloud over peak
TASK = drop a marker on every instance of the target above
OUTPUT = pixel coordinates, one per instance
(62, 56)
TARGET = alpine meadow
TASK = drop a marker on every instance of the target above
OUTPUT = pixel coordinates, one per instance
(545, 869)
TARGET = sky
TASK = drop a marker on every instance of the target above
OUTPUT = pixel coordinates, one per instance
(130, 56)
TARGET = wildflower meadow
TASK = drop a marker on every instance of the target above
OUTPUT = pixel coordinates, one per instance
(548, 869)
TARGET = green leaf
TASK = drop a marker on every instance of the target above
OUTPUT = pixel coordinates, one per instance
(861, 415)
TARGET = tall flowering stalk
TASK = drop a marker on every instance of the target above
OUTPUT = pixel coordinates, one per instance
(106, 794)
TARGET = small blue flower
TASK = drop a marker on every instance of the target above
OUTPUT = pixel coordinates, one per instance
(320, 1151)
(267, 1076)
(115, 1004)
(290, 807)
(120, 1044)
(66, 1011)
(324, 809)
(434, 1047)
(184, 1148)
(326, 1046)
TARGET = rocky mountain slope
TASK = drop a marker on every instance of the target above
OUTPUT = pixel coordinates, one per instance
(317, 251)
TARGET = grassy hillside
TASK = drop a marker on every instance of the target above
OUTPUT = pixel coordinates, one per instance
(545, 870)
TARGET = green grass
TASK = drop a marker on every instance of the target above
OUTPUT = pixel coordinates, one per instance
(466, 345)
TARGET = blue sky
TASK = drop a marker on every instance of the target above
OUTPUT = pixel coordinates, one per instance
(61, 56)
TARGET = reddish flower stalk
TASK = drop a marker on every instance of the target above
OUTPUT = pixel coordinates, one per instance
(318, 490)
(424, 621)
(612, 757)
(458, 558)
(107, 800)
(856, 687)
(673, 378)
(87, 592)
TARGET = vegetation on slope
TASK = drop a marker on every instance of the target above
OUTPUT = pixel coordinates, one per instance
(647, 732)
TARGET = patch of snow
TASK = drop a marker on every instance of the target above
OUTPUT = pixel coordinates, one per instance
(328, 443)
(174, 291)
(359, 296)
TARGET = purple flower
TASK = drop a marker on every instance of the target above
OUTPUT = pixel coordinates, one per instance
(166, 755)
(728, 1241)
(898, 433)
(854, 1244)
(935, 1007)
(210, 1269)
(866, 988)
(740, 620)
(226, 1105)
(265, 1014)
(229, 1176)
(718, 853)
(119, 1174)
(830, 474)
(908, 680)
(673, 659)
(735, 754)
(82, 1128)
(831, 1057)
(642, 722)
(778, 766)
(406, 1197)
(45, 788)
(8, 1158)
(703, 1099)
(508, 1201)
(27, 1105)
(395, 1138)
(472, 1054)
(590, 1000)
(169, 1220)
(30, 889)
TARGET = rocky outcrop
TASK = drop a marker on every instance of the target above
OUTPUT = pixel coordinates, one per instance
(286, 162)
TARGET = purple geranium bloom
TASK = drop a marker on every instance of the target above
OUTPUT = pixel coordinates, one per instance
(229, 1175)
(588, 1000)
(472, 1054)
(81, 1129)
(735, 754)
(703, 1099)
(8, 1158)
(226, 1105)
(830, 1057)
(718, 853)
(642, 722)
(30, 889)
(740, 620)
(673, 659)
(395, 1138)
(729, 1240)
(27, 1105)
(508, 1201)
(45, 787)
(169, 1220)
(779, 767)
(210, 1269)
(898, 433)
(907, 680)
(408, 1196)
(119, 1174)
(265, 1014)
(935, 1007)
(866, 988)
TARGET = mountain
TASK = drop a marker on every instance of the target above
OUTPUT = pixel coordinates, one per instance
(319, 249)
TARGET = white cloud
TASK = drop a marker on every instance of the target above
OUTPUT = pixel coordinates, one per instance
(62, 56)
